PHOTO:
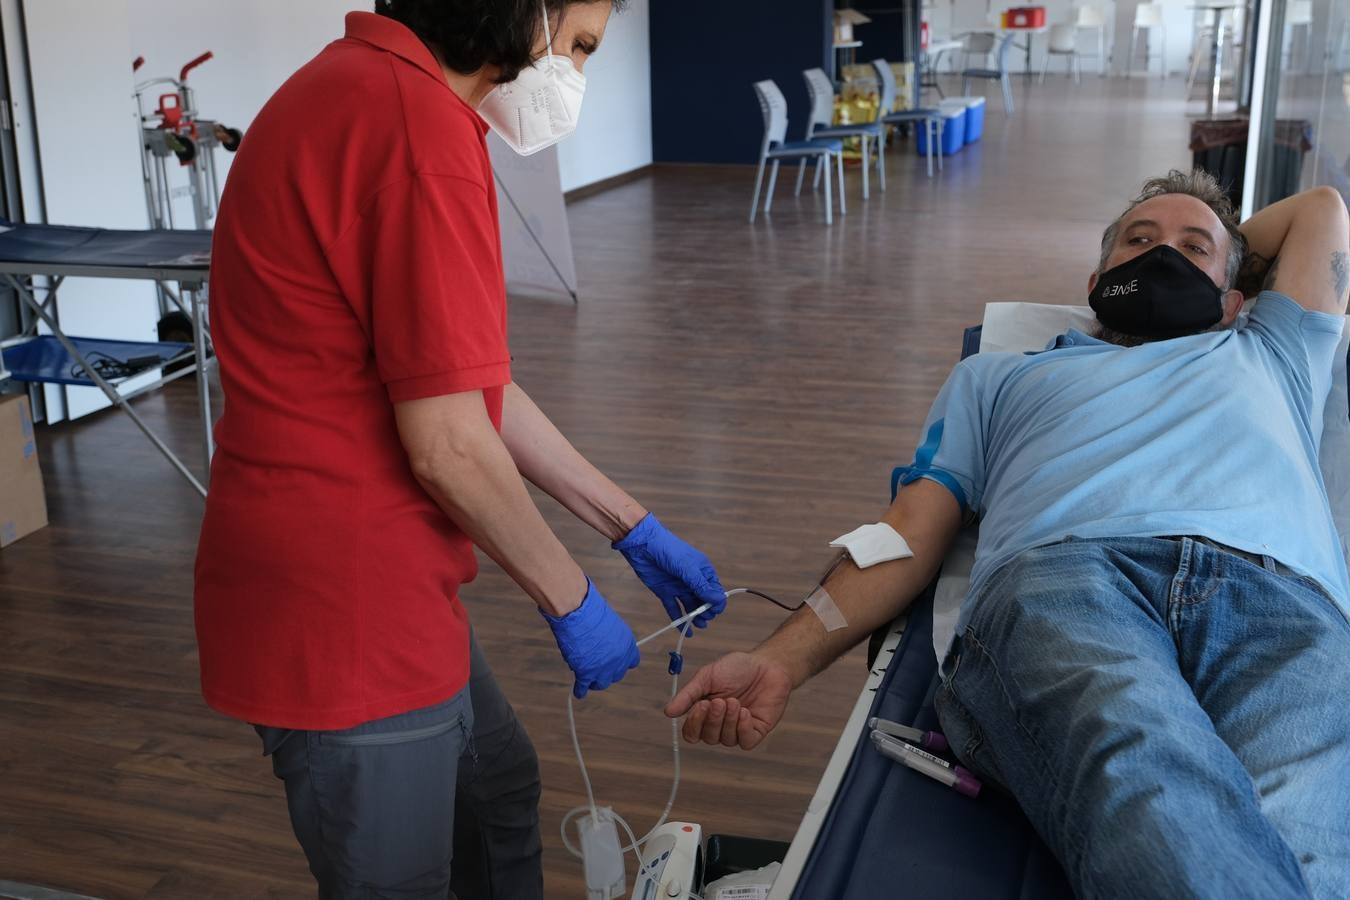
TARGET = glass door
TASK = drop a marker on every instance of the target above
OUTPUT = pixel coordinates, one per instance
(1303, 136)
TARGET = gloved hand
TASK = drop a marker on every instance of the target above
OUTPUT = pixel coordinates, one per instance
(677, 573)
(596, 643)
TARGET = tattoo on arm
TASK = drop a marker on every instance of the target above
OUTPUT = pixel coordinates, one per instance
(1340, 271)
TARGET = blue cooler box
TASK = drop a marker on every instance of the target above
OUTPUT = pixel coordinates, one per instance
(974, 116)
(953, 130)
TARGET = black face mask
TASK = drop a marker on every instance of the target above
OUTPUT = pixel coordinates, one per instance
(1159, 294)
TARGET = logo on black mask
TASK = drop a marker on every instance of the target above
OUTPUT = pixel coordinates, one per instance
(1159, 294)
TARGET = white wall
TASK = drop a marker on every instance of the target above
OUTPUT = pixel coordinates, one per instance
(1179, 24)
(615, 132)
(259, 43)
(91, 171)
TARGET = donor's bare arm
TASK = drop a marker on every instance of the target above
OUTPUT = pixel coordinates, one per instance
(738, 699)
(1300, 247)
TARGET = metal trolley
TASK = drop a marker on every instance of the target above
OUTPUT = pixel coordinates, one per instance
(173, 129)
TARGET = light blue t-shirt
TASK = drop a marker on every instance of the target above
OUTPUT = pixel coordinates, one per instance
(1213, 434)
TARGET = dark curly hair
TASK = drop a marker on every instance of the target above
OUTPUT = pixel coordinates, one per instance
(470, 34)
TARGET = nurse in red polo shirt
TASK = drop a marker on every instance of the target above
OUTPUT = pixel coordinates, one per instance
(372, 436)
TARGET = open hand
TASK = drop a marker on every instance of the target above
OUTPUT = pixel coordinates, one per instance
(735, 701)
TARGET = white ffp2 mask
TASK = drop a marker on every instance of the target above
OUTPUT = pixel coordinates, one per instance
(540, 107)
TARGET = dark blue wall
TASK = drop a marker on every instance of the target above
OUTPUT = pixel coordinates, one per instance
(707, 54)
(884, 36)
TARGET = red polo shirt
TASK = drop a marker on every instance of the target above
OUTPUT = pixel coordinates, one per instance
(356, 265)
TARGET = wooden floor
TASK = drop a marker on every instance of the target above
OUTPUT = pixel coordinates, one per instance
(752, 384)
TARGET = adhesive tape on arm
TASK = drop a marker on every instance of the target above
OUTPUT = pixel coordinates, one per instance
(868, 545)
(822, 604)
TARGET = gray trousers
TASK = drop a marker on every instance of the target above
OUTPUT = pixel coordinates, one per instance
(381, 809)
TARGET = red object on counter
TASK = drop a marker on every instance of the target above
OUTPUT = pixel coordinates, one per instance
(923, 36)
(1025, 17)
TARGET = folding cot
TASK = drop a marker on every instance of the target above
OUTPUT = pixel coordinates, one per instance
(36, 259)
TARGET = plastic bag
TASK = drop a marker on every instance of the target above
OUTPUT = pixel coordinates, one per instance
(752, 885)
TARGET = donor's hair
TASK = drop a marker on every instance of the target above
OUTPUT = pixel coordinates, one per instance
(1201, 186)
(470, 34)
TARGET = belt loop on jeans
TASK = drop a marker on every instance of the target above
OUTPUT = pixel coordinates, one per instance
(1185, 552)
(1264, 560)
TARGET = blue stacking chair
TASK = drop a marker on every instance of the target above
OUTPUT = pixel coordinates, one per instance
(777, 148)
(929, 119)
(820, 125)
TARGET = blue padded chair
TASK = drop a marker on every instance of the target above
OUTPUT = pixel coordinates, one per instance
(984, 43)
(820, 125)
(776, 149)
(928, 119)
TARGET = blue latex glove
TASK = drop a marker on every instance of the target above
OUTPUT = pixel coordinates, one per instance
(680, 575)
(596, 643)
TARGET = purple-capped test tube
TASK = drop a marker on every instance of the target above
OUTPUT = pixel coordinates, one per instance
(928, 740)
(953, 776)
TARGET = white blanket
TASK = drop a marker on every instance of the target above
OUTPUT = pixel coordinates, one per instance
(1030, 326)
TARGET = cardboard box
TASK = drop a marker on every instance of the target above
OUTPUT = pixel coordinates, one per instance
(859, 80)
(844, 20)
(23, 505)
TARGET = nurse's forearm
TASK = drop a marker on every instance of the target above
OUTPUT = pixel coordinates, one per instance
(460, 460)
(549, 461)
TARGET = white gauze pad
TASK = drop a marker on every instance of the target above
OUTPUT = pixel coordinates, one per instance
(868, 545)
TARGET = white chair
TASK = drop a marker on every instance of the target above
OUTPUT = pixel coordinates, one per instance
(777, 148)
(1148, 18)
(1091, 18)
(985, 44)
(1063, 42)
(977, 44)
(821, 125)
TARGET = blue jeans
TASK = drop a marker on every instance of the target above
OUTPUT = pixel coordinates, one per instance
(1173, 717)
